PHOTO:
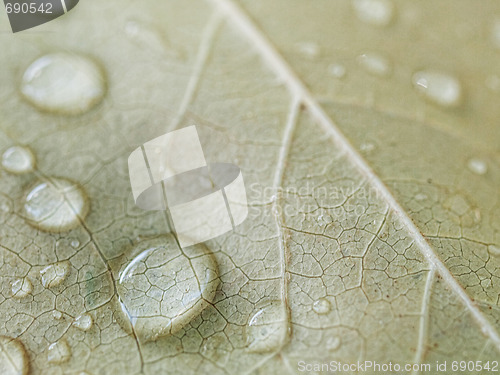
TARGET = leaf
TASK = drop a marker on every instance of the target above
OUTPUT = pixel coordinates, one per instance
(372, 233)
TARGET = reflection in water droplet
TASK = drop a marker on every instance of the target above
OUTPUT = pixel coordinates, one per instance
(337, 70)
(494, 250)
(163, 288)
(56, 205)
(74, 244)
(21, 288)
(83, 322)
(18, 159)
(374, 12)
(63, 82)
(13, 357)
(54, 274)
(267, 328)
(321, 306)
(438, 87)
(375, 64)
(477, 166)
(333, 343)
(59, 352)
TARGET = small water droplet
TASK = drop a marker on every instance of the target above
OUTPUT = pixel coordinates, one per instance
(59, 352)
(333, 343)
(57, 314)
(21, 288)
(13, 357)
(438, 87)
(374, 12)
(495, 32)
(54, 274)
(83, 322)
(494, 250)
(63, 82)
(337, 70)
(367, 147)
(420, 197)
(74, 244)
(375, 64)
(162, 289)
(18, 159)
(321, 306)
(477, 166)
(267, 329)
(308, 49)
(57, 205)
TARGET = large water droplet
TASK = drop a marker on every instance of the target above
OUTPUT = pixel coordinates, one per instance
(21, 288)
(163, 288)
(18, 159)
(322, 306)
(59, 352)
(83, 322)
(375, 64)
(477, 166)
(374, 12)
(56, 205)
(54, 274)
(438, 87)
(63, 82)
(267, 328)
(13, 357)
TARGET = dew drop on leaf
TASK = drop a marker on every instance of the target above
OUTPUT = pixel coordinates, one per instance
(337, 70)
(267, 328)
(63, 82)
(59, 352)
(83, 322)
(163, 288)
(18, 159)
(374, 12)
(374, 63)
(477, 166)
(21, 288)
(322, 306)
(494, 250)
(56, 205)
(54, 274)
(333, 343)
(13, 357)
(438, 87)
(309, 50)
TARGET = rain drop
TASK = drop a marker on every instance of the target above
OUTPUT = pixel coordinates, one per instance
(267, 328)
(54, 274)
(163, 288)
(374, 12)
(63, 82)
(21, 288)
(477, 166)
(83, 322)
(74, 244)
(13, 357)
(18, 159)
(438, 87)
(56, 205)
(375, 64)
(321, 306)
(59, 352)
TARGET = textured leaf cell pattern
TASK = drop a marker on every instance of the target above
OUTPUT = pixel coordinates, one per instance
(367, 135)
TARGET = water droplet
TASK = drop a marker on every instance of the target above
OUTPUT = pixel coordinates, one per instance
(367, 147)
(308, 49)
(374, 12)
(63, 82)
(13, 357)
(321, 306)
(163, 288)
(420, 197)
(267, 328)
(56, 205)
(494, 250)
(21, 288)
(438, 87)
(477, 166)
(333, 343)
(54, 274)
(74, 244)
(375, 64)
(59, 352)
(83, 322)
(57, 314)
(495, 33)
(18, 159)
(337, 70)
